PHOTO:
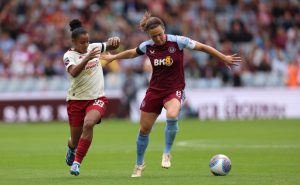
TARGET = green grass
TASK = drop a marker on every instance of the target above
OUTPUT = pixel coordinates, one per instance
(263, 152)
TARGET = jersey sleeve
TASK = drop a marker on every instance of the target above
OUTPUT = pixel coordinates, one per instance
(68, 61)
(100, 46)
(141, 49)
(185, 42)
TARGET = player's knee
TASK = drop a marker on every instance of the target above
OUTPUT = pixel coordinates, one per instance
(89, 124)
(172, 114)
(145, 130)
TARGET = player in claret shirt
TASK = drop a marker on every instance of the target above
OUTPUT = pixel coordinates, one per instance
(86, 101)
(167, 83)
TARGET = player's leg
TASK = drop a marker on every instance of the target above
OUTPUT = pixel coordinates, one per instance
(172, 104)
(75, 135)
(172, 107)
(72, 144)
(146, 122)
(91, 119)
(94, 111)
(76, 116)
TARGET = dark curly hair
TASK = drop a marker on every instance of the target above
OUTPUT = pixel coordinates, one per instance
(76, 28)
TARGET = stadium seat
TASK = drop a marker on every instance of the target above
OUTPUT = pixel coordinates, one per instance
(247, 79)
(14, 84)
(215, 83)
(202, 83)
(3, 84)
(259, 79)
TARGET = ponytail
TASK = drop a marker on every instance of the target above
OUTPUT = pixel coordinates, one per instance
(147, 23)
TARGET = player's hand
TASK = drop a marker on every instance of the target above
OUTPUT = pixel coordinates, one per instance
(232, 60)
(114, 41)
(94, 53)
(107, 57)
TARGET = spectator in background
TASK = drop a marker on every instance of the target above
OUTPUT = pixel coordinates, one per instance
(293, 44)
(129, 89)
(270, 23)
(280, 38)
(292, 80)
(1, 62)
(264, 65)
(280, 66)
(49, 68)
(238, 33)
(6, 42)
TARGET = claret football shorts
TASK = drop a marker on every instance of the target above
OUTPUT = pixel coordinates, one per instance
(77, 109)
(153, 103)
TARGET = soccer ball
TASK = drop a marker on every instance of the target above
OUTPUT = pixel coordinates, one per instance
(220, 165)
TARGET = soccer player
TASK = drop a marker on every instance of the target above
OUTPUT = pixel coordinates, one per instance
(167, 83)
(86, 102)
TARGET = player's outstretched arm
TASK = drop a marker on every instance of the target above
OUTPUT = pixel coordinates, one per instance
(112, 43)
(228, 60)
(75, 70)
(131, 53)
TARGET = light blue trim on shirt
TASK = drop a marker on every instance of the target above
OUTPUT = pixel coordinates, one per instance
(183, 42)
(143, 45)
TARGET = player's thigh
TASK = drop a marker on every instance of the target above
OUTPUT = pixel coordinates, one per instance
(172, 103)
(76, 112)
(172, 108)
(92, 117)
(147, 120)
(95, 111)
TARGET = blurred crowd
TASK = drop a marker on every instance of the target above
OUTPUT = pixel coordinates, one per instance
(34, 35)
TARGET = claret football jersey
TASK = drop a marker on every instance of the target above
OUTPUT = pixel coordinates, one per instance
(167, 62)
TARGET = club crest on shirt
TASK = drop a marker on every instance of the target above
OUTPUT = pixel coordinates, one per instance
(172, 49)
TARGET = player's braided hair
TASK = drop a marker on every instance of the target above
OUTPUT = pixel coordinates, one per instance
(76, 28)
(147, 23)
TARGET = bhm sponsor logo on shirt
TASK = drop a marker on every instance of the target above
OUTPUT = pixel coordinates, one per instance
(168, 61)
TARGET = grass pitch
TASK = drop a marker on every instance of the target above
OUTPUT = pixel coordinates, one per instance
(263, 152)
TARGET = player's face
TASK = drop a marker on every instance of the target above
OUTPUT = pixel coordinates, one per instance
(81, 43)
(157, 35)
